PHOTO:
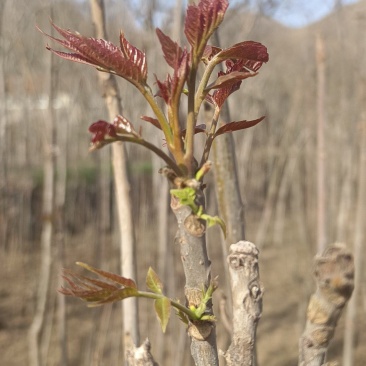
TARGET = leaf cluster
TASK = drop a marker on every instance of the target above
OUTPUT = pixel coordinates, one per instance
(110, 287)
(240, 61)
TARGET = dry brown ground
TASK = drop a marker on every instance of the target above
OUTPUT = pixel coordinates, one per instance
(94, 336)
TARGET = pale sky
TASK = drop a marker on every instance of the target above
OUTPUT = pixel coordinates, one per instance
(295, 13)
(299, 13)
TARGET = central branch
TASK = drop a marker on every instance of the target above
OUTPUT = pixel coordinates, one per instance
(197, 269)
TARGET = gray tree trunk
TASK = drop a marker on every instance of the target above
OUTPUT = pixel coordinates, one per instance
(351, 314)
(122, 187)
(60, 195)
(48, 129)
(321, 190)
(3, 112)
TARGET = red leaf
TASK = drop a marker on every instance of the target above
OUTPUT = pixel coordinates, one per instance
(126, 282)
(102, 131)
(226, 80)
(197, 129)
(135, 56)
(236, 126)
(117, 295)
(220, 95)
(152, 120)
(209, 52)
(71, 56)
(201, 21)
(179, 76)
(171, 50)
(127, 61)
(165, 88)
(252, 53)
(95, 291)
(123, 126)
(172, 87)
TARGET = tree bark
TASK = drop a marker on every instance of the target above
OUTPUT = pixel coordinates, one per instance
(122, 186)
(334, 273)
(191, 237)
(247, 294)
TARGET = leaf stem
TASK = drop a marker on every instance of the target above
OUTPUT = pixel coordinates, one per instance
(176, 148)
(211, 136)
(191, 120)
(146, 92)
(150, 295)
(171, 163)
(201, 94)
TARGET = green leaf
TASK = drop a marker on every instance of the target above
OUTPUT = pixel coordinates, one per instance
(153, 282)
(182, 316)
(214, 220)
(162, 309)
(186, 197)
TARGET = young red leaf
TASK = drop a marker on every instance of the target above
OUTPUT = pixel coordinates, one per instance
(180, 74)
(97, 291)
(123, 126)
(84, 288)
(171, 50)
(165, 89)
(209, 52)
(226, 80)
(197, 129)
(236, 126)
(253, 54)
(153, 121)
(153, 282)
(127, 61)
(126, 282)
(103, 133)
(88, 282)
(201, 21)
(135, 56)
(172, 88)
(163, 310)
(117, 295)
(219, 96)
